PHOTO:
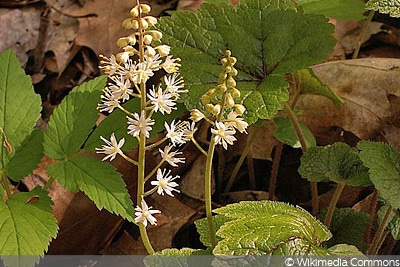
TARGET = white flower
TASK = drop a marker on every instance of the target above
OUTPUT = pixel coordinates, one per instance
(196, 115)
(143, 72)
(170, 64)
(174, 84)
(140, 124)
(175, 132)
(223, 134)
(161, 100)
(190, 130)
(112, 147)
(121, 88)
(154, 62)
(109, 65)
(108, 101)
(170, 157)
(238, 123)
(164, 183)
(144, 214)
(163, 50)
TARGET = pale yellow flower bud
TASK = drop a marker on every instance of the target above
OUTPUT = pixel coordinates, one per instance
(132, 39)
(216, 110)
(228, 69)
(232, 60)
(231, 83)
(235, 93)
(228, 53)
(134, 12)
(145, 8)
(122, 42)
(150, 52)
(211, 92)
(151, 20)
(163, 50)
(196, 115)
(239, 109)
(156, 35)
(224, 61)
(209, 108)
(147, 39)
(144, 23)
(135, 24)
(229, 101)
(234, 72)
(127, 24)
(223, 88)
(205, 99)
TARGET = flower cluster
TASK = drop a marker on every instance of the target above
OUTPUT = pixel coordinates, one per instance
(223, 103)
(142, 55)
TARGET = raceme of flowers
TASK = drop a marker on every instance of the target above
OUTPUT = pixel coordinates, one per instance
(142, 55)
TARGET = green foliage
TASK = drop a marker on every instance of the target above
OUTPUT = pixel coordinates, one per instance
(172, 257)
(393, 221)
(19, 109)
(268, 38)
(27, 156)
(73, 120)
(338, 9)
(98, 180)
(338, 162)
(27, 224)
(267, 227)
(345, 250)
(308, 83)
(286, 133)
(203, 230)
(383, 162)
(347, 227)
(391, 7)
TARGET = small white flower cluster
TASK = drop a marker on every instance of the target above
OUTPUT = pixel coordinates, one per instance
(128, 72)
(221, 103)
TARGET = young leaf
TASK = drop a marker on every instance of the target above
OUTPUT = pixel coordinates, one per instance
(383, 162)
(98, 180)
(347, 227)
(268, 38)
(27, 156)
(391, 7)
(73, 120)
(28, 224)
(267, 227)
(19, 106)
(286, 133)
(308, 83)
(344, 250)
(338, 9)
(393, 221)
(203, 230)
(338, 162)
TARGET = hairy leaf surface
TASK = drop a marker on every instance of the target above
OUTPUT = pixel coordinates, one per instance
(276, 40)
(391, 7)
(338, 162)
(98, 180)
(338, 9)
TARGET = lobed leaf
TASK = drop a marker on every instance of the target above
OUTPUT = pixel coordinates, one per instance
(338, 162)
(27, 156)
(344, 250)
(267, 227)
(203, 230)
(98, 180)
(338, 9)
(73, 120)
(19, 106)
(172, 257)
(393, 222)
(286, 133)
(27, 224)
(276, 40)
(383, 162)
(391, 7)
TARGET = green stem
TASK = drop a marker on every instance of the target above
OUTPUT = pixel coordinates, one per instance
(208, 177)
(5, 184)
(134, 162)
(274, 171)
(235, 171)
(145, 239)
(379, 236)
(148, 193)
(198, 146)
(154, 170)
(362, 34)
(332, 205)
(156, 144)
(48, 183)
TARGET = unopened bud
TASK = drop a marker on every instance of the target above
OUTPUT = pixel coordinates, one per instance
(147, 39)
(135, 24)
(216, 110)
(229, 101)
(127, 24)
(211, 92)
(144, 23)
(151, 20)
(231, 83)
(122, 42)
(150, 52)
(205, 99)
(209, 108)
(134, 12)
(223, 88)
(235, 93)
(145, 8)
(234, 72)
(156, 35)
(163, 50)
(239, 109)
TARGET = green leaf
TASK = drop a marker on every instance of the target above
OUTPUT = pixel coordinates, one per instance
(19, 106)
(338, 162)
(27, 156)
(267, 227)
(172, 257)
(73, 120)
(275, 41)
(308, 83)
(203, 230)
(116, 123)
(347, 227)
(393, 221)
(286, 133)
(338, 9)
(391, 7)
(98, 180)
(27, 223)
(345, 250)
(383, 162)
